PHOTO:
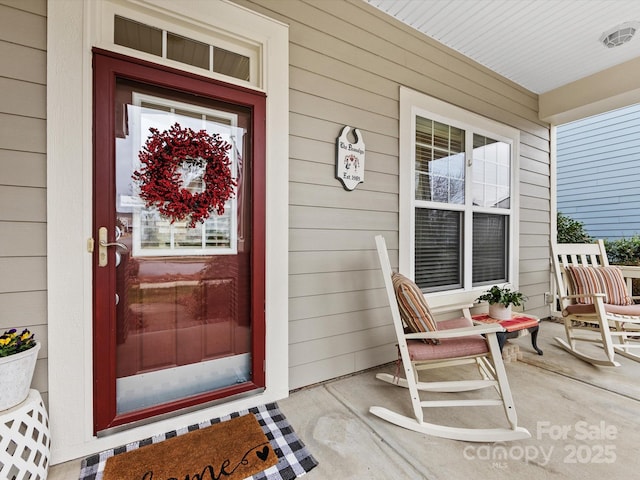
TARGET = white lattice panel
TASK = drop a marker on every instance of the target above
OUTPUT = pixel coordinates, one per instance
(24, 440)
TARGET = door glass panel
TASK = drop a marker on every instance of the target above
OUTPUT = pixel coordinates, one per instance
(183, 291)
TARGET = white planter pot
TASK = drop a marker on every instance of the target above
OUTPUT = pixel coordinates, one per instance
(16, 372)
(500, 312)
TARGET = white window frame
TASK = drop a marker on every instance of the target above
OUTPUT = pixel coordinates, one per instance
(413, 104)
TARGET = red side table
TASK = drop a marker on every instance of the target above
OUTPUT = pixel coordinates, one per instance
(518, 326)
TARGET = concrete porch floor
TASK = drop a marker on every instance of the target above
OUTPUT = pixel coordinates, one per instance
(583, 420)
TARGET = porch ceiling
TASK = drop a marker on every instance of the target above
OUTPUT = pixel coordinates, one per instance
(538, 44)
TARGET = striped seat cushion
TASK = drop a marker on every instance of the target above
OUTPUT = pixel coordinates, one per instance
(413, 308)
(606, 280)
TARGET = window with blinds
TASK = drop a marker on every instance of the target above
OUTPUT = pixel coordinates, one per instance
(438, 249)
(490, 253)
(462, 205)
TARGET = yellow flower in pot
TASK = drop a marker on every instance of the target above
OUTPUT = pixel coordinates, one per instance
(18, 355)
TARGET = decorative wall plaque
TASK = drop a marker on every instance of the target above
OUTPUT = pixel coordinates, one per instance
(350, 159)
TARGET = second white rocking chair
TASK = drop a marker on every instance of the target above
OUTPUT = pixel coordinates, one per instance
(459, 343)
(596, 304)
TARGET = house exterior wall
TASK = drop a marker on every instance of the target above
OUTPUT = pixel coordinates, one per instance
(599, 170)
(23, 279)
(347, 62)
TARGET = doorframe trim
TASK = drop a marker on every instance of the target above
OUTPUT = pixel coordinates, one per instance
(71, 33)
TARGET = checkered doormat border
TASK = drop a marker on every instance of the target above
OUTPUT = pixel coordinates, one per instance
(294, 460)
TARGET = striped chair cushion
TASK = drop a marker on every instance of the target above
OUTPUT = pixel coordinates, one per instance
(583, 280)
(607, 280)
(413, 308)
(615, 288)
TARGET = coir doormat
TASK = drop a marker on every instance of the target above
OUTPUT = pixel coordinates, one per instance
(272, 453)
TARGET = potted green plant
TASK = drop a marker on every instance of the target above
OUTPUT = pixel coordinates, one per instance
(18, 355)
(500, 300)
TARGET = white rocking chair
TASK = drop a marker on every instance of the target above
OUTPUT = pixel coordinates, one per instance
(595, 303)
(459, 343)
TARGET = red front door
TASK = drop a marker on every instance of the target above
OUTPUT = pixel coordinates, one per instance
(178, 278)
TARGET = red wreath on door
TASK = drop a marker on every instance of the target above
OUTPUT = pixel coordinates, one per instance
(161, 185)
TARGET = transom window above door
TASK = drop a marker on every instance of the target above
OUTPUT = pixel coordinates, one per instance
(156, 41)
(133, 29)
(457, 209)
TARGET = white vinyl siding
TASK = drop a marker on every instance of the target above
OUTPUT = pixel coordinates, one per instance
(23, 281)
(347, 62)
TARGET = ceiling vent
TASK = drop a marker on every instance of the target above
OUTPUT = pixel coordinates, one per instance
(619, 35)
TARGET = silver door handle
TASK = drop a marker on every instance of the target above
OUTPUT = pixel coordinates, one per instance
(114, 244)
(103, 257)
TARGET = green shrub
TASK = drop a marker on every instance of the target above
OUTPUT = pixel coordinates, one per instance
(625, 251)
(571, 231)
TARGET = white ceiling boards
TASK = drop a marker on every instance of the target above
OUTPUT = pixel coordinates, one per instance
(538, 44)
